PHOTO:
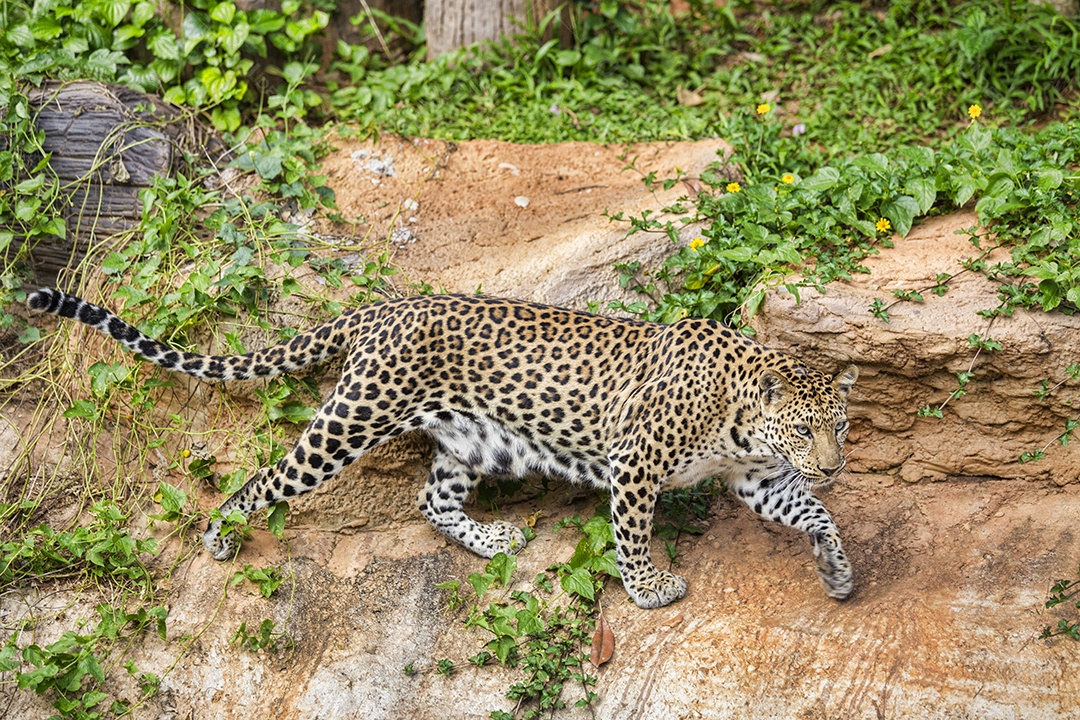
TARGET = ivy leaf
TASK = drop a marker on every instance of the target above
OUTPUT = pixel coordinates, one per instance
(20, 35)
(823, 179)
(82, 409)
(529, 622)
(924, 190)
(600, 533)
(295, 412)
(105, 375)
(268, 165)
(223, 12)
(9, 658)
(93, 698)
(276, 519)
(161, 614)
(579, 582)
(606, 563)
(115, 10)
(1050, 178)
(480, 583)
(502, 646)
(502, 568)
(171, 498)
(901, 211)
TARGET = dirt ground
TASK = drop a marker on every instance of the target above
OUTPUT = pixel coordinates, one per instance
(951, 575)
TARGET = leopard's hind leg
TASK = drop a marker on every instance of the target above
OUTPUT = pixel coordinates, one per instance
(442, 501)
(340, 433)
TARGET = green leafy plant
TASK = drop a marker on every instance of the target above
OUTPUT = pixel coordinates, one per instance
(102, 551)
(72, 669)
(544, 632)
(29, 200)
(1044, 392)
(680, 512)
(266, 579)
(266, 637)
(205, 63)
(1064, 591)
(173, 502)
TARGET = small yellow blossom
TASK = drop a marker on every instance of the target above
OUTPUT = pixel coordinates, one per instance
(696, 243)
(787, 179)
(883, 225)
(734, 187)
(974, 111)
(185, 453)
(763, 108)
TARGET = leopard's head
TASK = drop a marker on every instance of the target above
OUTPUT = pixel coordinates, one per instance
(805, 414)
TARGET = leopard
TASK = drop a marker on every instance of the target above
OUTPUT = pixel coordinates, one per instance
(510, 388)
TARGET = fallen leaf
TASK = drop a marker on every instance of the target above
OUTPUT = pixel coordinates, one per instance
(689, 98)
(603, 643)
(673, 622)
(694, 185)
(879, 51)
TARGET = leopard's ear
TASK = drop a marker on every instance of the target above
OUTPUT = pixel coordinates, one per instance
(775, 389)
(844, 381)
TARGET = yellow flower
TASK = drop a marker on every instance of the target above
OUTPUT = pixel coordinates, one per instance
(696, 243)
(734, 187)
(883, 225)
(787, 179)
(185, 453)
(763, 108)
(974, 111)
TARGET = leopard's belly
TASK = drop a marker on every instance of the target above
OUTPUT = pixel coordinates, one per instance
(493, 449)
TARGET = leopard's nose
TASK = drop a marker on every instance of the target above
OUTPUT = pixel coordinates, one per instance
(831, 471)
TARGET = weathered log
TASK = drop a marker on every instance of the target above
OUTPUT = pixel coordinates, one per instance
(106, 143)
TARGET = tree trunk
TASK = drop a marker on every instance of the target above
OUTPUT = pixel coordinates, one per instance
(452, 24)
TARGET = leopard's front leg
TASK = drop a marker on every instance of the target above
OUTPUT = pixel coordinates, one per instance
(792, 503)
(633, 502)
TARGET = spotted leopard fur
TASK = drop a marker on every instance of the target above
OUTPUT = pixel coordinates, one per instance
(509, 388)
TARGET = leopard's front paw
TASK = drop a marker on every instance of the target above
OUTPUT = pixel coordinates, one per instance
(656, 589)
(497, 537)
(221, 547)
(833, 568)
(838, 582)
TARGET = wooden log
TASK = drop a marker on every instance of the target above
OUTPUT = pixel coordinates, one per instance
(106, 143)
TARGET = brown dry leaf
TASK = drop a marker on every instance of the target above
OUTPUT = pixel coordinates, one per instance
(879, 51)
(603, 643)
(672, 622)
(689, 98)
(694, 185)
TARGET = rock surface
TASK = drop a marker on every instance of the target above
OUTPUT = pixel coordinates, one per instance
(912, 361)
(951, 576)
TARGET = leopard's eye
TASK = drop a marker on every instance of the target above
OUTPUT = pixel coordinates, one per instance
(841, 426)
(803, 431)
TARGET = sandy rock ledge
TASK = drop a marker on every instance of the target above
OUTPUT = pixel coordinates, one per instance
(912, 362)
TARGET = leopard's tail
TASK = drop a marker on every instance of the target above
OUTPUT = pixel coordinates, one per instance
(305, 349)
